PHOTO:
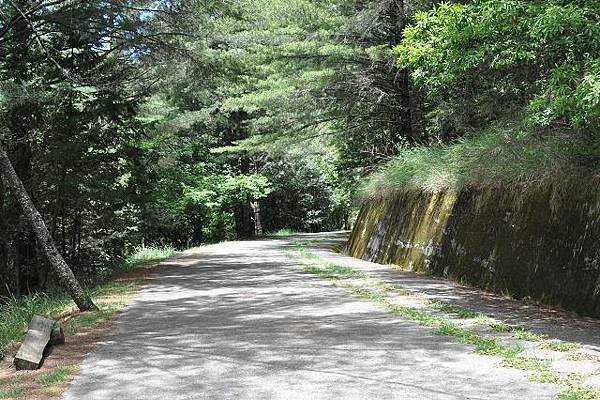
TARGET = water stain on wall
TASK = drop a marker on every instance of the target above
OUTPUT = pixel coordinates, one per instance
(537, 242)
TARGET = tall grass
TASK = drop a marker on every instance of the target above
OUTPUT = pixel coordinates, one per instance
(16, 313)
(284, 232)
(503, 154)
(143, 254)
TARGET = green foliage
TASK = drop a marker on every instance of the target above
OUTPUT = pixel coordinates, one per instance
(16, 313)
(12, 392)
(538, 54)
(245, 188)
(58, 375)
(504, 154)
(578, 393)
(142, 254)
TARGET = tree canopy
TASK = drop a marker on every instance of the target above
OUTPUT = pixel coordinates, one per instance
(186, 122)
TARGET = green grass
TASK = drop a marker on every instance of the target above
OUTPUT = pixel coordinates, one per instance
(527, 364)
(496, 326)
(16, 313)
(284, 232)
(11, 388)
(546, 377)
(578, 393)
(451, 309)
(60, 374)
(331, 270)
(500, 327)
(576, 356)
(524, 334)
(483, 344)
(143, 254)
(559, 346)
(571, 380)
(12, 392)
(345, 271)
(503, 154)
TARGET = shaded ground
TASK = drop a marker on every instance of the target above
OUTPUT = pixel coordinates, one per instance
(82, 332)
(553, 322)
(241, 321)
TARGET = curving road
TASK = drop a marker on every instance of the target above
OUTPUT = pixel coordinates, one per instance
(241, 321)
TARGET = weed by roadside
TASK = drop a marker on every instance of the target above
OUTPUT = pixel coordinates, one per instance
(284, 232)
(15, 313)
(377, 290)
(111, 296)
(60, 374)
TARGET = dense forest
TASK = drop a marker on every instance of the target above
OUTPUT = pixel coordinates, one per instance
(176, 123)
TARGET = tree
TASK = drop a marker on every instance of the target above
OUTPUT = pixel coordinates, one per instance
(73, 69)
(61, 269)
(488, 59)
(20, 23)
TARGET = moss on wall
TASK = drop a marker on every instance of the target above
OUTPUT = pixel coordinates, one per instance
(538, 242)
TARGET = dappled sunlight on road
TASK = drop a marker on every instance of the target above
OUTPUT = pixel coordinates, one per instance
(241, 321)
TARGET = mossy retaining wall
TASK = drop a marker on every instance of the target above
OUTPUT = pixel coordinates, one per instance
(542, 243)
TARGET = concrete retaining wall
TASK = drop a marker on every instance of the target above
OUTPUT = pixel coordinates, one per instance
(542, 243)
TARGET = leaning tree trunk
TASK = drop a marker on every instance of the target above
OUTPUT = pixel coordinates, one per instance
(65, 276)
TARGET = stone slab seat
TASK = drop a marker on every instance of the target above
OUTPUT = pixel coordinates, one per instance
(42, 333)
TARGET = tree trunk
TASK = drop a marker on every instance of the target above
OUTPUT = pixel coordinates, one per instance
(64, 274)
(258, 230)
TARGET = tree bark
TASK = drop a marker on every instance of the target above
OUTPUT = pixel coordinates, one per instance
(65, 276)
(258, 230)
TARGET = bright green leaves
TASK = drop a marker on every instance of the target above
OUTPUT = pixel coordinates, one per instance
(454, 39)
(221, 192)
(245, 188)
(539, 50)
(573, 90)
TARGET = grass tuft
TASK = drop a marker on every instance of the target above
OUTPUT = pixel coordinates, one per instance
(16, 313)
(524, 334)
(578, 393)
(143, 254)
(60, 374)
(285, 232)
(13, 392)
(451, 309)
(557, 345)
(527, 364)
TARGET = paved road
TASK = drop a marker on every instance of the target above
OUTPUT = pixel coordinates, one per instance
(241, 321)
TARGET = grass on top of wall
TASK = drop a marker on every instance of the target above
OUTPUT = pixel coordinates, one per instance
(506, 153)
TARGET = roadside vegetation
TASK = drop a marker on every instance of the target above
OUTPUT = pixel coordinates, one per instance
(178, 123)
(455, 322)
(504, 154)
(285, 232)
(109, 291)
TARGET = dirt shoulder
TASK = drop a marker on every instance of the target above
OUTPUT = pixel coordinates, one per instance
(82, 332)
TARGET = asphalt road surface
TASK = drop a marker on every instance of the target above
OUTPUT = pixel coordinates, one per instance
(240, 320)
